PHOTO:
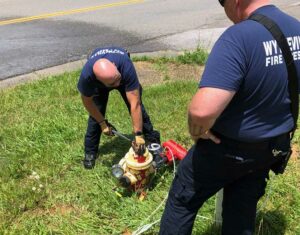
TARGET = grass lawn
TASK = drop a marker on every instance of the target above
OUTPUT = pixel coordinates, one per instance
(45, 190)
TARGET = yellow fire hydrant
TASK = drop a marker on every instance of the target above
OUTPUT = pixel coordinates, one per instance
(133, 171)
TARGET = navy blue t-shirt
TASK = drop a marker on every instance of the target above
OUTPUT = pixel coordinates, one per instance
(246, 59)
(88, 85)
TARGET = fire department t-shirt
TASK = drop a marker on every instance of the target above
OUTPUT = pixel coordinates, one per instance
(88, 85)
(246, 59)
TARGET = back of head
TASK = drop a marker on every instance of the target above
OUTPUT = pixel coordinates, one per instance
(104, 70)
(239, 10)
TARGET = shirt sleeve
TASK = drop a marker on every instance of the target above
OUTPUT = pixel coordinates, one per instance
(130, 76)
(85, 86)
(225, 67)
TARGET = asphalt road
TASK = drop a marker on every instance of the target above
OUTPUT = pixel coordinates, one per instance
(40, 34)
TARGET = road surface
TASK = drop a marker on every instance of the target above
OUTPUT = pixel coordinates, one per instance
(35, 35)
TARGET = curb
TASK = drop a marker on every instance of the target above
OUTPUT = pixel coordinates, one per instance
(68, 67)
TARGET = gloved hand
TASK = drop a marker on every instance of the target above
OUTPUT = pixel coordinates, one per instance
(107, 128)
(138, 144)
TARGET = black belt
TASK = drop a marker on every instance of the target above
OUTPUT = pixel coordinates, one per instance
(260, 145)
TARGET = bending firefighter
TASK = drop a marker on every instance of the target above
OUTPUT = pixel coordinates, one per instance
(108, 69)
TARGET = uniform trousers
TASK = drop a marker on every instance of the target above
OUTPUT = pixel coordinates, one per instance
(240, 168)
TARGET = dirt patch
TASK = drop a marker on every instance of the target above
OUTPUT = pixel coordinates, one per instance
(62, 209)
(296, 152)
(150, 74)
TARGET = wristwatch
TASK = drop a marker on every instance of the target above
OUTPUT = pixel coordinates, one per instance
(138, 133)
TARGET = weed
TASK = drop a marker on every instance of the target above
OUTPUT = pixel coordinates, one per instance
(198, 56)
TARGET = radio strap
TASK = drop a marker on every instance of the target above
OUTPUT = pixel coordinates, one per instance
(276, 32)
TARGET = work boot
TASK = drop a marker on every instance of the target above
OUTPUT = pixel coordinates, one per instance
(89, 160)
(153, 137)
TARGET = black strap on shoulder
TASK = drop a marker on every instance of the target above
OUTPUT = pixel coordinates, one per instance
(288, 57)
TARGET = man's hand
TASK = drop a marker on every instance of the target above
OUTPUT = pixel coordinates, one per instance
(206, 135)
(107, 128)
(138, 144)
(206, 106)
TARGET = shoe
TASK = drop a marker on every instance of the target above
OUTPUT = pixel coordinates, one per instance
(153, 137)
(89, 161)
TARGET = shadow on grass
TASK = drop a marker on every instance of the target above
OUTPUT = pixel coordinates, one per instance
(115, 148)
(211, 230)
(111, 151)
(268, 223)
(156, 179)
(271, 223)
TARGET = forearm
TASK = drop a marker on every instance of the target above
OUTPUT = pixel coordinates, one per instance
(199, 125)
(136, 117)
(206, 106)
(92, 109)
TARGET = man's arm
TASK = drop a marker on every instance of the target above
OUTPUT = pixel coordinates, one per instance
(92, 108)
(206, 106)
(134, 100)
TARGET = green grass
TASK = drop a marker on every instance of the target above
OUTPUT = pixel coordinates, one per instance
(198, 56)
(41, 130)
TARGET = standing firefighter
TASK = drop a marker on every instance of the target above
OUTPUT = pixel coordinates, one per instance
(108, 69)
(240, 119)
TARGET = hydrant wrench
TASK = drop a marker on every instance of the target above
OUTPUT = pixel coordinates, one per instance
(121, 135)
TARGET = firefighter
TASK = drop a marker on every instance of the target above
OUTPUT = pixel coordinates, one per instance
(105, 70)
(238, 117)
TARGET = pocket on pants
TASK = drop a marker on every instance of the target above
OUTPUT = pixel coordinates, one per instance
(183, 195)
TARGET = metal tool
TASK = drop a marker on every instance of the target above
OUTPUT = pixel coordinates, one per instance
(120, 135)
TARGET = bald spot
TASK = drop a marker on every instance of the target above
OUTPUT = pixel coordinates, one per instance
(104, 70)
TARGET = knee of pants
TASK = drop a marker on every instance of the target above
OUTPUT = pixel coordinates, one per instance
(180, 211)
(240, 203)
(184, 197)
(93, 133)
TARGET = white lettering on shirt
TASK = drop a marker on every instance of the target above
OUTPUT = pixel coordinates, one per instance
(274, 54)
(107, 51)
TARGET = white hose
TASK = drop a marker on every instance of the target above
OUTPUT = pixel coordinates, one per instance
(146, 227)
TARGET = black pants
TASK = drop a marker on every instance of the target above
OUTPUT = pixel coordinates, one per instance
(240, 169)
(93, 132)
